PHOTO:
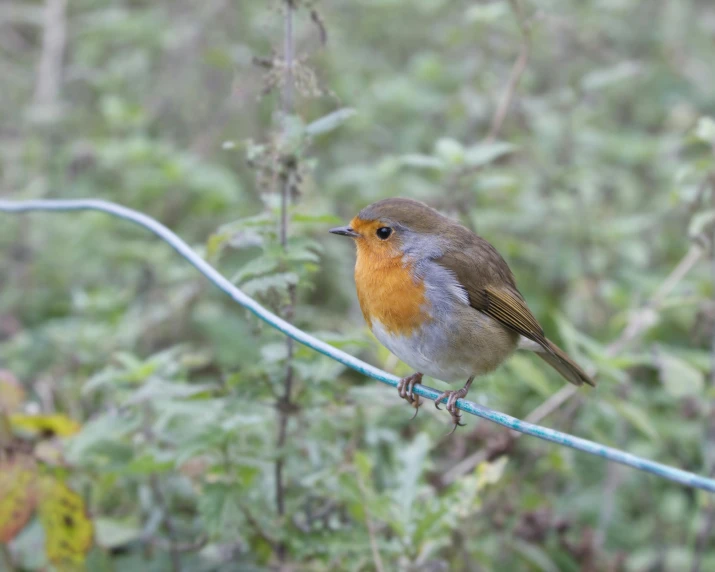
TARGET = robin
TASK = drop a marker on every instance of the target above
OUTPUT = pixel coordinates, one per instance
(442, 299)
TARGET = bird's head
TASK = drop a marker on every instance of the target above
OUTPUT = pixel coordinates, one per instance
(393, 228)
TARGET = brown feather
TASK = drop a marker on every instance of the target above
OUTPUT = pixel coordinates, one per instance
(479, 269)
(561, 362)
(491, 288)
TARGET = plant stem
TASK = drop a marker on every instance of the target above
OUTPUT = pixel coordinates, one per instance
(54, 40)
(284, 403)
(287, 105)
(701, 541)
(159, 499)
(517, 71)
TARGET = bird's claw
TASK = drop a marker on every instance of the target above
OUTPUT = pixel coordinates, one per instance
(405, 388)
(452, 396)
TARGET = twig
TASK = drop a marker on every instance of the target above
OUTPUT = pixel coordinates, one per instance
(49, 73)
(318, 21)
(159, 498)
(283, 413)
(517, 70)
(642, 319)
(703, 536)
(284, 405)
(287, 103)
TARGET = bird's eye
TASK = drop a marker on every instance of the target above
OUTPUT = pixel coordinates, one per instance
(384, 232)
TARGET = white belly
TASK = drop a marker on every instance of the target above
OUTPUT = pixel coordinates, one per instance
(423, 355)
(453, 350)
(457, 341)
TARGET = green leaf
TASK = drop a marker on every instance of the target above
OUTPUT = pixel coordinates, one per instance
(329, 122)
(422, 162)
(275, 352)
(113, 533)
(97, 435)
(262, 285)
(701, 222)
(363, 464)
(413, 459)
(525, 369)
(535, 555)
(160, 389)
(256, 267)
(485, 153)
(679, 378)
(600, 79)
(316, 219)
(705, 130)
(637, 417)
(215, 243)
(486, 13)
(449, 150)
(294, 132)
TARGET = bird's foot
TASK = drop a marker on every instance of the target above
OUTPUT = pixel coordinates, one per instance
(452, 395)
(405, 388)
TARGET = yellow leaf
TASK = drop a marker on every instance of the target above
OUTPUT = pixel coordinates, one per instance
(68, 529)
(18, 494)
(12, 394)
(57, 424)
(215, 244)
(490, 473)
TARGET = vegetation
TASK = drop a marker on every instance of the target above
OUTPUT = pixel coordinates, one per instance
(154, 425)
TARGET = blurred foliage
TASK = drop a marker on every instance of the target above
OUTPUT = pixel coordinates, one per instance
(598, 183)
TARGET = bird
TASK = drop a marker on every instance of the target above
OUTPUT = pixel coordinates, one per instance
(442, 299)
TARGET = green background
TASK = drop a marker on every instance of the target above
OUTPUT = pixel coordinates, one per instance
(598, 183)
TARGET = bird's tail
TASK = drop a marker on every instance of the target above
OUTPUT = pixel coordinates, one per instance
(569, 369)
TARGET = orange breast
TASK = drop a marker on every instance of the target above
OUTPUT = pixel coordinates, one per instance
(388, 293)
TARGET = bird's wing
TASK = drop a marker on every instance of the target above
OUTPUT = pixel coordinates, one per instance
(490, 286)
(489, 283)
(508, 307)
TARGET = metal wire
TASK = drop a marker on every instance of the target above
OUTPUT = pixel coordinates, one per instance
(609, 453)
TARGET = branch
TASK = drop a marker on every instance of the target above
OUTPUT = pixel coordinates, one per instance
(159, 498)
(517, 70)
(49, 73)
(221, 282)
(705, 533)
(283, 405)
(642, 319)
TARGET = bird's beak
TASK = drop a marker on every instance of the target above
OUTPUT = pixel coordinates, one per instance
(344, 231)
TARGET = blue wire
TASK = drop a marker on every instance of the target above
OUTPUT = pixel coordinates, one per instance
(670, 473)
